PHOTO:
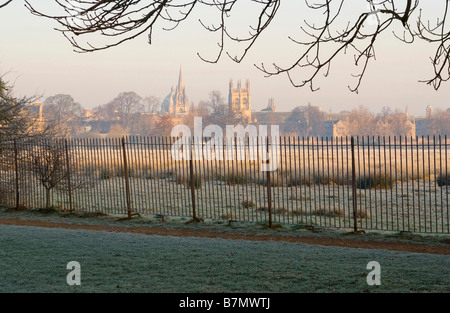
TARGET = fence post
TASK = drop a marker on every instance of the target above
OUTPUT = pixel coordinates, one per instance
(354, 201)
(69, 185)
(17, 173)
(191, 174)
(127, 184)
(269, 192)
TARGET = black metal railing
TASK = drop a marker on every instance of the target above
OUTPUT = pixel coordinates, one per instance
(373, 183)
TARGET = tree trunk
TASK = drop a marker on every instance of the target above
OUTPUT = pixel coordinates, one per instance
(47, 198)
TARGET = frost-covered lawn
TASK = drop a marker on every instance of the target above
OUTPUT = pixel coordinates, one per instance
(34, 260)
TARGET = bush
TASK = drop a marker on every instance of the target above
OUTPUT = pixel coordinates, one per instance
(120, 172)
(247, 204)
(375, 181)
(228, 216)
(299, 198)
(234, 178)
(105, 173)
(294, 180)
(182, 180)
(281, 210)
(362, 214)
(186, 180)
(197, 181)
(337, 212)
(298, 211)
(443, 179)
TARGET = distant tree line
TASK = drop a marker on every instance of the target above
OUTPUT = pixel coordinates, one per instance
(310, 121)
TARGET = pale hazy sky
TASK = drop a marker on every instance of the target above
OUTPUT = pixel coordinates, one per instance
(39, 60)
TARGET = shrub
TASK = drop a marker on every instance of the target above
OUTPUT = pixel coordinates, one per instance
(443, 179)
(228, 216)
(375, 181)
(247, 204)
(186, 180)
(316, 179)
(362, 214)
(335, 212)
(297, 212)
(234, 178)
(181, 179)
(197, 181)
(299, 198)
(298, 180)
(105, 173)
(120, 172)
(279, 210)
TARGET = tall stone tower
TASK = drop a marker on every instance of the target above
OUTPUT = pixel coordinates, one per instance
(429, 111)
(176, 103)
(239, 101)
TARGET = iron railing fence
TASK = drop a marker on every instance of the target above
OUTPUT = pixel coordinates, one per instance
(373, 183)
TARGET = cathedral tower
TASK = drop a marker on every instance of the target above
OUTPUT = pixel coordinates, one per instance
(239, 101)
(176, 103)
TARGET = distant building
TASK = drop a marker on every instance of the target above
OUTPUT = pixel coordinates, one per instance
(429, 112)
(270, 106)
(88, 115)
(176, 103)
(239, 100)
(395, 124)
(34, 111)
(433, 125)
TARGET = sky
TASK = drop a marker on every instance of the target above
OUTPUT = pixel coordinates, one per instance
(38, 60)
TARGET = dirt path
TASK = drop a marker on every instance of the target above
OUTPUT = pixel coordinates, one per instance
(350, 242)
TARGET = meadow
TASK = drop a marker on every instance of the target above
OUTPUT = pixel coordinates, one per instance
(399, 186)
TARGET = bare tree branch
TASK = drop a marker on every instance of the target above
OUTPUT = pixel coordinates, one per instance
(321, 43)
(4, 4)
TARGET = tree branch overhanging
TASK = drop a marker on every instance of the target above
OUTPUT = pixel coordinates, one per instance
(5, 3)
(320, 45)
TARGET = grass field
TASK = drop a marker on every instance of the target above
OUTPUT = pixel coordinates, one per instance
(34, 260)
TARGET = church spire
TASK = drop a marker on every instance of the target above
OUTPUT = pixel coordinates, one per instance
(180, 80)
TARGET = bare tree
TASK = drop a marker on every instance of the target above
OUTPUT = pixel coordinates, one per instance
(48, 163)
(62, 110)
(307, 120)
(145, 125)
(126, 105)
(220, 113)
(330, 28)
(439, 124)
(360, 122)
(151, 104)
(49, 167)
(106, 112)
(164, 125)
(116, 131)
(17, 119)
(394, 124)
(200, 110)
(216, 103)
